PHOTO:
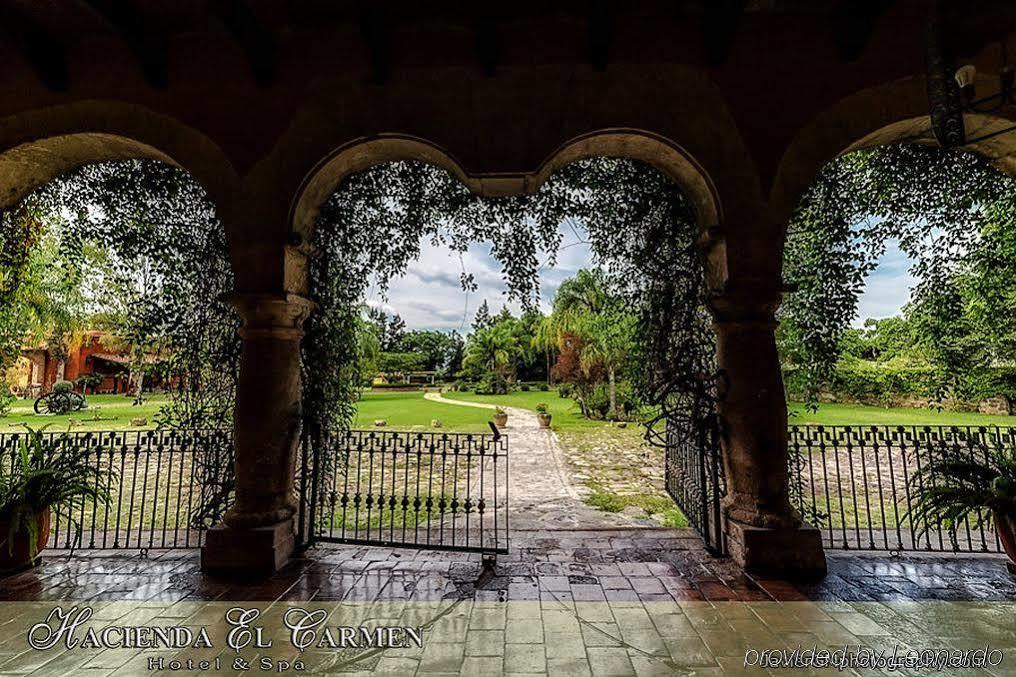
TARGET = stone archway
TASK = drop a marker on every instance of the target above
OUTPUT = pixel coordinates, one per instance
(38, 146)
(550, 500)
(894, 113)
(662, 153)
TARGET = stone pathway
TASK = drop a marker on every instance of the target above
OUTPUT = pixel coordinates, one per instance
(542, 493)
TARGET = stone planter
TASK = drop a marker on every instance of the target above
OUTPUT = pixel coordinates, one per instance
(544, 420)
(1005, 525)
(500, 420)
(18, 555)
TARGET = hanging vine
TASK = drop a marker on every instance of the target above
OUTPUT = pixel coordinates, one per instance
(138, 251)
(947, 210)
(640, 227)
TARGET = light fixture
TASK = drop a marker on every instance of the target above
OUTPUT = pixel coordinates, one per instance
(1005, 95)
(966, 77)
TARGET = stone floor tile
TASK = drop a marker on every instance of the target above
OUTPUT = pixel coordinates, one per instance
(396, 665)
(599, 612)
(485, 643)
(568, 667)
(476, 666)
(605, 661)
(442, 657)
(689, 652)
(524, 658)
(646, 666)
(601, 634)
(524, 632)
(488, 618)
(564, 645)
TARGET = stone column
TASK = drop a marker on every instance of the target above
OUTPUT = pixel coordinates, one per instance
(257, 534)
(765, 534)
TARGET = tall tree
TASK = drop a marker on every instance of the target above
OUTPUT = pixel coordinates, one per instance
(482, 320)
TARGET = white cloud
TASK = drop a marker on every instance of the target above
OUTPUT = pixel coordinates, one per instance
(430, 296)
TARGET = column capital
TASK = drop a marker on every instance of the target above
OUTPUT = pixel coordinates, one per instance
(272, 315)
(747, 301)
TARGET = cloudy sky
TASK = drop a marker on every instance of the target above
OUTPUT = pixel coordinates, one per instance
(888, 287)
(430, 296)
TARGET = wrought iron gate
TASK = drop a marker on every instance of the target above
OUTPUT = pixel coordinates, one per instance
(432, 490)
(694, 478)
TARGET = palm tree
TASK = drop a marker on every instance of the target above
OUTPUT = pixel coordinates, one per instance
(607, 342)
(492, 350)
(546, 337)
(584, 293)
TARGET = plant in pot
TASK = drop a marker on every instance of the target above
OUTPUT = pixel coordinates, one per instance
(963, 482)
(543, 415)
(46, 472)
(500, 417)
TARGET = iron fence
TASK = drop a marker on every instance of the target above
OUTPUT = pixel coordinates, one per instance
(857, 484)
(441, 491)
(165, 486)
(694, 479)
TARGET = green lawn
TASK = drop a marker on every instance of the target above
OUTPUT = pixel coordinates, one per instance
(567, 417)
(409, 411)
(859, 414)
(104, 412)
(565, 412)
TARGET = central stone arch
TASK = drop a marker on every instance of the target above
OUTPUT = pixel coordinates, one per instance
(660, 152)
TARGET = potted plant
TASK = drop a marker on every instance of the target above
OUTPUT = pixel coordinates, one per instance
(46, 472)
(500, 417)
(542, 415)
(960, 483)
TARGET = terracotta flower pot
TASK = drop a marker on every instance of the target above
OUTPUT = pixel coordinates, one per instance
(18, 555)
(544, 420)
(500, 420)
(1005, 525)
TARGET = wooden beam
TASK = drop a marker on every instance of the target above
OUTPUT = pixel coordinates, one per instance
(852, 24)
(601, 33)
(46, 55)
(147, 41)
(373, 27)
(487, 44)
(252, 35)
(719, 25)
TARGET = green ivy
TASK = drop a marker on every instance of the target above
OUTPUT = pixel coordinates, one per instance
(948, 211)
(640, 228)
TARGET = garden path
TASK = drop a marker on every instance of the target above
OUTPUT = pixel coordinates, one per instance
(543, 494)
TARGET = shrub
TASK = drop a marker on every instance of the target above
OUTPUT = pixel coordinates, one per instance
(895, 382)
(63, 387)
(597, 403)
(492, 385)
(524, 387)
(395, 386)
(543, 387)
(565, 390)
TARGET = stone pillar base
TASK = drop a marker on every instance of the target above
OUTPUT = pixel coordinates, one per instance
(787, 553)
(250, 553)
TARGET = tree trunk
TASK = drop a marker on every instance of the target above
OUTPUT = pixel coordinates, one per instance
(612, 389)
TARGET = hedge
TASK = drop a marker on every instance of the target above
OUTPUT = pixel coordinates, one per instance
(887, 383)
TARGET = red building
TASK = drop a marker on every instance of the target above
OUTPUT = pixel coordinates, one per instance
(89, 356)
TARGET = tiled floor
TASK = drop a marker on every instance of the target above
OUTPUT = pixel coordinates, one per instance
(619, 602)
